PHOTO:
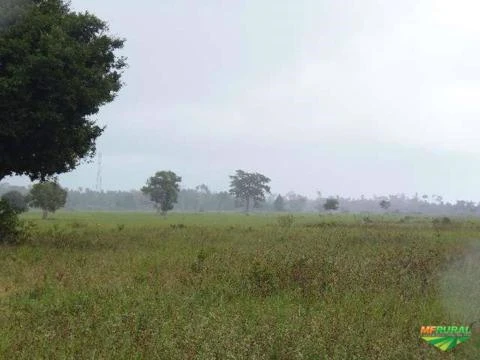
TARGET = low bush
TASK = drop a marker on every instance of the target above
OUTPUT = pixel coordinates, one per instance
(12, 230)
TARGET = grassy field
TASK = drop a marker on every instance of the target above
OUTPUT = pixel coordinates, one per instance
(230, 286)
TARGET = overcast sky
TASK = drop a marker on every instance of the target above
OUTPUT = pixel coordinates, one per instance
(344, 97)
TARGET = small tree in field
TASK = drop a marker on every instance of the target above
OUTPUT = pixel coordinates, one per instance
(331, 204)
(249, 187)
(163, 190)
(16, 201)
(385, 204)
(48, 196)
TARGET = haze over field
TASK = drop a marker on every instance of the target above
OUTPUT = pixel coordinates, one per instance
(344, 97)
(282, 181)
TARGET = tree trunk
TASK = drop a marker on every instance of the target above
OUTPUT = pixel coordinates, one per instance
(44, 214)
(247, 205)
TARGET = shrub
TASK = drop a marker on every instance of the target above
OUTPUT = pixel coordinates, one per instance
(16, 201)
(445, 220)
(12, 230)
(331, 204)
(199, 263)
(367, 220)
(405, 219)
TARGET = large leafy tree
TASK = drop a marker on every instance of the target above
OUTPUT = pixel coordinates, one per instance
(249, 187)
(163, 190)
(48, 196)
(57, 68)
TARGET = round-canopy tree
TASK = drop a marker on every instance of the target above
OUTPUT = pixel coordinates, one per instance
(48, 196)
(249, 187)
(57, 68)
(163, 189)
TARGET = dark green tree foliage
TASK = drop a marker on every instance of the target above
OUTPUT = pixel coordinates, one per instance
(331, 204)
(9, 224)
(16, 201)
(249, 187)
(57, 68)
(279, 203)
(385, 204)
(48, 196)
(163, 190)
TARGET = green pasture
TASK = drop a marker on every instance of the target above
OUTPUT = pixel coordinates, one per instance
(231, 286)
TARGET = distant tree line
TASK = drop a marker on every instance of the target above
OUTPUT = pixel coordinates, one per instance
(202, 199)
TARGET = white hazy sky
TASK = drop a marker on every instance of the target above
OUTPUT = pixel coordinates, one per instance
(345, 97)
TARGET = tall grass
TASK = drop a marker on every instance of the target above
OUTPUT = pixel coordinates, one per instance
(216, 286)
